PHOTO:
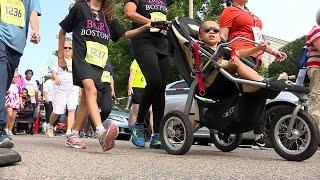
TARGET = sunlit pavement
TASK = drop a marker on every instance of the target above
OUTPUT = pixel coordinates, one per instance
(48, 158)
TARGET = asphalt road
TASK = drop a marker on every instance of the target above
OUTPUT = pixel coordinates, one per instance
(48, 158)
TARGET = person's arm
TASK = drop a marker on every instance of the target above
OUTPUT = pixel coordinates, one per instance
(278, 54)
(137, 31)
(316, 44)
(130, 12)
(34, 23)
(224, 33)
(248, 52)
(130, 81)
(113, 94)
(45, 92)
(55, 78)
(62, 39)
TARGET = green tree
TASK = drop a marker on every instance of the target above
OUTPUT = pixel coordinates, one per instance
(290, 66)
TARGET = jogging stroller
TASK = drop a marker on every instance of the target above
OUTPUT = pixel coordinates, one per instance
(293, 133)
(24, 119)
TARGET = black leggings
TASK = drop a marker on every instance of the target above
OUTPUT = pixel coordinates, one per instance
(104, 100)
(260, 128)
(48, 109)
(155, 68)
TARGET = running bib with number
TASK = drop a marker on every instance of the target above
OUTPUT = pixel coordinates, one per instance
(155, 17)
(13, 12)
(69, 64)
(257, 33)
(97, 54)
(106, 77)
(31, 92)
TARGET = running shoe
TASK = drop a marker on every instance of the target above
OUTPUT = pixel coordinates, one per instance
(108, 137)
(137, 135)
(74, 141)
(259, 144)
(68, 134)
(49, 131)
(5, 140)
(155, 142)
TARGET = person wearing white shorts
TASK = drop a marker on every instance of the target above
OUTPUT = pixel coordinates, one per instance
(66, 94)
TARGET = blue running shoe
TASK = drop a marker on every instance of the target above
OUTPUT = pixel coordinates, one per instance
(137, 135)
(155, 142)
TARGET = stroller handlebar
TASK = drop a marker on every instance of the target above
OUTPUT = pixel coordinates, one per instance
(162, 25)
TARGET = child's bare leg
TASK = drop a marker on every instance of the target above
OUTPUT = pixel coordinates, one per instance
(11, 118)
(246, 72)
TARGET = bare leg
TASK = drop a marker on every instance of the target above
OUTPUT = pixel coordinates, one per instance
(70, 120)
(11, 118)
(81, 114)
(151, 119)
(134, 114)
(53, 118)
(91, 99)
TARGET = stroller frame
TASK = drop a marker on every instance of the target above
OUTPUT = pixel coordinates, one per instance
(294, 113)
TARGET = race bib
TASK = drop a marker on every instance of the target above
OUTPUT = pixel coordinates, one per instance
(155, 17)
(257, 33)
(69, 64)
(106, 77)
(97, 54)
(31, 92)
(13, 12)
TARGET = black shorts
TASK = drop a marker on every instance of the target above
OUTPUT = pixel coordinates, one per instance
(137, 95)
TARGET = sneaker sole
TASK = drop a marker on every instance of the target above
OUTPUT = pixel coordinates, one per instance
(76, 146)
(257, 147)
(109, 137)
(7, 144)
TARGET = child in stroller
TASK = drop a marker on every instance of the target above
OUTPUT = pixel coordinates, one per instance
(226, 104)
(209, 35)
(24, 120)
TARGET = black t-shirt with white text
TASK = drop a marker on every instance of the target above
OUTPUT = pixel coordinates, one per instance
(149, 41)
(83, 24)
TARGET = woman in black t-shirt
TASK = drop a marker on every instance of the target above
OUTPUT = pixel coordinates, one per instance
(150, 49)
(92, 24)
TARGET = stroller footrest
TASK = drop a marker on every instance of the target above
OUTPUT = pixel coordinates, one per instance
(285, 85)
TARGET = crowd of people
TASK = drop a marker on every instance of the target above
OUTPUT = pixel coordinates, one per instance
(82, 77)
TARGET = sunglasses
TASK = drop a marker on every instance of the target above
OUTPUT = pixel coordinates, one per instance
(213, 29)
(68, 48)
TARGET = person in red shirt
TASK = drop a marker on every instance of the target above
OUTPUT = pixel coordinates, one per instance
(313, 66)
(236, 20)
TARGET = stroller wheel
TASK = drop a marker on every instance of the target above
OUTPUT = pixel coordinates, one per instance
(225, 142)
(176, 133)
(298, 144)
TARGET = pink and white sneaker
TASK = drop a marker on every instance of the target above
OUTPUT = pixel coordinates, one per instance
(74, 141)
(108, 137)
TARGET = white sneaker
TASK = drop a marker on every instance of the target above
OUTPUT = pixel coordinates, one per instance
(68, 134)
(49, 131)
(44, 128)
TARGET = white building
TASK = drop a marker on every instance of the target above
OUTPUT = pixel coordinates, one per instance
(275, 43)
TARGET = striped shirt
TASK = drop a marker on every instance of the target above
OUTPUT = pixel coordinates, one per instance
(313, 54)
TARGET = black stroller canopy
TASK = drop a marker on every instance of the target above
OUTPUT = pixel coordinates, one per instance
(188, 27)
